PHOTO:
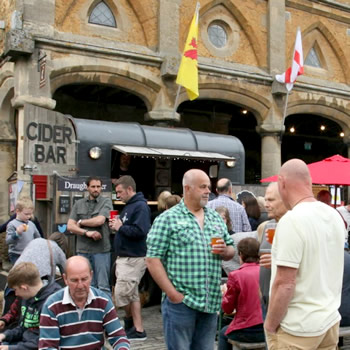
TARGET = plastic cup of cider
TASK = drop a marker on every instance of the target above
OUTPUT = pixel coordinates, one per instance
(270, 230)
(214, 240)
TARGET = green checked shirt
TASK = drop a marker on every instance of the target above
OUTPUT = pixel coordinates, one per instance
(185, 251)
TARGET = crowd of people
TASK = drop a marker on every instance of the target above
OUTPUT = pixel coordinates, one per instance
(290, 292)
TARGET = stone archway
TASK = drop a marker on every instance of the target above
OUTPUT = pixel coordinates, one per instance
(308, 116)
(312, 137)
(141, 84)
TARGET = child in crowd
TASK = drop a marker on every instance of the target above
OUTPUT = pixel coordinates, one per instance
(243, 295)
(21, 231)
(25, 279)
(224, 213)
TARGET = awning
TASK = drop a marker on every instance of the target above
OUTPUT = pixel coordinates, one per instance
(172, 153)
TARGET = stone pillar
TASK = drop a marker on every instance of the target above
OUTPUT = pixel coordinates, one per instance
(27, 90)
(270, 154)
(168, 32)
(168, 28)
(346, 140)
(276, 36)
(270, 148)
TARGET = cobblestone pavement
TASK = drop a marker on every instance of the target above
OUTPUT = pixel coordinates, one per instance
(152, 321)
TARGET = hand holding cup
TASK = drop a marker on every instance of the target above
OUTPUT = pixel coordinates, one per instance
(218, 245)
(265, 258)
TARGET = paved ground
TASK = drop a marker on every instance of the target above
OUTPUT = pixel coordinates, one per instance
(152, 320)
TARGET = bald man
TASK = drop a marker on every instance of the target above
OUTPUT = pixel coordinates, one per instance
(307, 267)
(79, 315)
(238, 215)
(187, 268)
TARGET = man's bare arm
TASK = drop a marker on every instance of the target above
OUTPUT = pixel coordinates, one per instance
(282, 292)
(73, 227)
(93, 222)
(156, 269)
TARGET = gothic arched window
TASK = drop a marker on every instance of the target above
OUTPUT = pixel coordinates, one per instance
(102, 15)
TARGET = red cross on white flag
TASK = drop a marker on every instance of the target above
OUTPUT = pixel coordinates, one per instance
(291, 74)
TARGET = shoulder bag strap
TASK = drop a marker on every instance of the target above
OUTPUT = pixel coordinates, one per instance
(51, 259)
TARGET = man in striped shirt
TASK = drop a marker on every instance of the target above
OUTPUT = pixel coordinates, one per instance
(238, 215)
(77, 316)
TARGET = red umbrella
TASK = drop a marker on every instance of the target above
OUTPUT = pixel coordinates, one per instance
(334, 170)
(273, 178)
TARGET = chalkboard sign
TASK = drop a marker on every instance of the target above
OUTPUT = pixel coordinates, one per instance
(76, 198)
(64, 205)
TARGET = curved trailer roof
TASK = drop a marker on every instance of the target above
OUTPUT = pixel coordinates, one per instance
(137, 139)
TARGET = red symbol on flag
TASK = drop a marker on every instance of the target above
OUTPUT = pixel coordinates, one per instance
(193, 52)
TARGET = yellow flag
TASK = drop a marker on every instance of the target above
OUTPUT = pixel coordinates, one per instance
(187, 75)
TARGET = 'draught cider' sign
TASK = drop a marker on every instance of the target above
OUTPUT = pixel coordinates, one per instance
(49, 141)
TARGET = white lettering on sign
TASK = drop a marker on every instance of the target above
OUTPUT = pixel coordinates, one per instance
(79, 186)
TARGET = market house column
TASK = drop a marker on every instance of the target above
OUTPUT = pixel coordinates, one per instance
(276, 36)
(168, 34)
(270, 149)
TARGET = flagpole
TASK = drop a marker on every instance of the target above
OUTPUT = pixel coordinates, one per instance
(288, 91)
(284, 115)
(176, 101)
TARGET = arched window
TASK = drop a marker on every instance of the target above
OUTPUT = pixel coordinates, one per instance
(102, 15)
(312, 59)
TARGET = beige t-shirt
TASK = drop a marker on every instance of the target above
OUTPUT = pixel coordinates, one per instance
(310, 238)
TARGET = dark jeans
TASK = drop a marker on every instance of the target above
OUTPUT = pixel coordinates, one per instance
(253, 334)
(13, 257)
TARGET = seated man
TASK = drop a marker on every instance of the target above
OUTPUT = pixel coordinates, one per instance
(25, 279)
(77, 316)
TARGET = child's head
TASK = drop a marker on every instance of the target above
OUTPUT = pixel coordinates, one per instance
(225, 215)
(24, 209)
(248, 250)
(24, 278)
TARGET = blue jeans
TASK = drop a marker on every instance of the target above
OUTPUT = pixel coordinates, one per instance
(101, 267)
(186, 328)
(253, 334)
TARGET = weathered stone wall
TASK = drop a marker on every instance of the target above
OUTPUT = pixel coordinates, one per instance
(136, 20)
(327, 32)
(6, 9)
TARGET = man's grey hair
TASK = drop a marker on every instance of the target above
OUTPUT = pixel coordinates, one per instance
(225, 187)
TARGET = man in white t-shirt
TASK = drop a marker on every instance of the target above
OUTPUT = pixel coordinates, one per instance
(307, 267)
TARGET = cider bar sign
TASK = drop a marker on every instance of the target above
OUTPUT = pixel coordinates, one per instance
(49, 142)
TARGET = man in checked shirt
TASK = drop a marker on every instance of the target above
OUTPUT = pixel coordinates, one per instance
(187, 268)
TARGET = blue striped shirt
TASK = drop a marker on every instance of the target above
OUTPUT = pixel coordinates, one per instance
(64, 326)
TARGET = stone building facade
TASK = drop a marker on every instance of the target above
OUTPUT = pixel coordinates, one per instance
(57, 53)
